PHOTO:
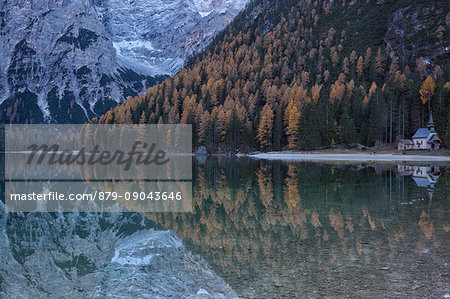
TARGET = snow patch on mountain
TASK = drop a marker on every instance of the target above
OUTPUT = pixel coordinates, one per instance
(157, 36)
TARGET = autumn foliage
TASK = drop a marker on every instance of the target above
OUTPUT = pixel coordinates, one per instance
(296, 75)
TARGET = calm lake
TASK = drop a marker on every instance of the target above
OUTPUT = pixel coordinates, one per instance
(260, 229)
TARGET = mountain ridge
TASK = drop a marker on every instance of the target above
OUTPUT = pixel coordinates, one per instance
(62, 63)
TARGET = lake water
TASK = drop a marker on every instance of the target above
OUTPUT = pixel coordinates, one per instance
(260, 229)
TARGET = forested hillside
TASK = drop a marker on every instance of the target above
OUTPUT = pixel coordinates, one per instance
(309, 74)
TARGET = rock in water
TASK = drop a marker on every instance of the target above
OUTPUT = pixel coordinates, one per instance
(201, 151)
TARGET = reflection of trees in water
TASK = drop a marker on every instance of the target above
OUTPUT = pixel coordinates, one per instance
(291, 195)
(301, 226)
(265, 186)
(287, 227)
(426, 224)
(337, 222)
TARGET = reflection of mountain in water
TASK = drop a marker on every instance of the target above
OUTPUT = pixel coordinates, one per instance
(266, 228)
(98, 256)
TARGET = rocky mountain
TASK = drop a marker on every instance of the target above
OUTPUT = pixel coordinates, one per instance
(418, 29)
(156, 37)
(68, 61)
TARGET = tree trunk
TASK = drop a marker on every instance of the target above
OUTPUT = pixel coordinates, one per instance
(429, 104)
(390, 125)
(403, 120)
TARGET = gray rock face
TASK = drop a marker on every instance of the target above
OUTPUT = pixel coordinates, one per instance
(68, 61)
(99, 256)
(413, 32)
(156, 37)
(56, 64)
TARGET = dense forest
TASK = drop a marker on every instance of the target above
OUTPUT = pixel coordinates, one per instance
(305, 75)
